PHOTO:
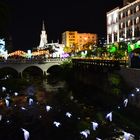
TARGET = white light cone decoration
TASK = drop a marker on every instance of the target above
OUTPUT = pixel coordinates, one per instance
(68, 115)
(127, 136)
(132, 95)
(48, 108)
(7, 102)
(109, 116)
(16, 94)
(85, 133)
(98, 139)
(23, 108)
(94, 125)
(3, 89)
(30, 101)
(26, 134)
(137, 89)
(125, 102)
(57, 124)
(0, 117)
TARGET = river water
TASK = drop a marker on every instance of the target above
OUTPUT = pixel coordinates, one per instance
(54, 108)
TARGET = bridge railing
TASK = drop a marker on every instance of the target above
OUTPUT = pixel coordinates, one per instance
(100, 62)
(30, 61)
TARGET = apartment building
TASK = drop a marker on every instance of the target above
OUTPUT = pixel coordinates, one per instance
(123, 24)
(69, 38)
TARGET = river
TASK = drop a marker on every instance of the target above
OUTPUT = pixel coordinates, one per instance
(55, 108)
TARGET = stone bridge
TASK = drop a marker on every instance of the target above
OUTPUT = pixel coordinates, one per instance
(21, 66)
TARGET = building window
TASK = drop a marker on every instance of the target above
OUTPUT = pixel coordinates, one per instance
(71, 33)
(137, 8)
(129, 23)
(137, 20)
(121, 25)
(109, 20)
(128, 12)
(121, 15)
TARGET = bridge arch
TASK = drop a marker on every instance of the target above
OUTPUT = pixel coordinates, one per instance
(10, 71)
(32, 71)
(54, 69)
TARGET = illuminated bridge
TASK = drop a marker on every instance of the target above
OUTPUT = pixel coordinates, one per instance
(21, 65)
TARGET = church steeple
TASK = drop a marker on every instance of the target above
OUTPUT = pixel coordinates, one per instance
(43, 26)
(43, 37)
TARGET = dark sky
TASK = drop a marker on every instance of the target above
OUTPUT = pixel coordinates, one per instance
(26, 18)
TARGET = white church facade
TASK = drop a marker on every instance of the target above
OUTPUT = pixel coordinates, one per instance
(57, 49)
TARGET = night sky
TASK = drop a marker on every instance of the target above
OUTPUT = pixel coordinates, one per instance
(26, 18)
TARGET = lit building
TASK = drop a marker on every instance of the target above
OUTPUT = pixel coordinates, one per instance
(43, 37)
(69, 38)
(56, 49)
(123, 24)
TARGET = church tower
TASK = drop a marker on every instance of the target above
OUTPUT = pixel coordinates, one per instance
(43, 37)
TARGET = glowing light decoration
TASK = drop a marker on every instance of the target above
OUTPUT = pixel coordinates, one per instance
(30, 101)
(48, 108)
(125, 102)
(7, 102)
(3, 89)
(132, 95)
(128, 136)
(94, 125)
(85, 133)
(16, 94)
(26, 134)
(98, 139)
(23, 108)
(57, 124)
(29, 54)
(109, 116)
(0, 117)
(137, 89)
(68, 115)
